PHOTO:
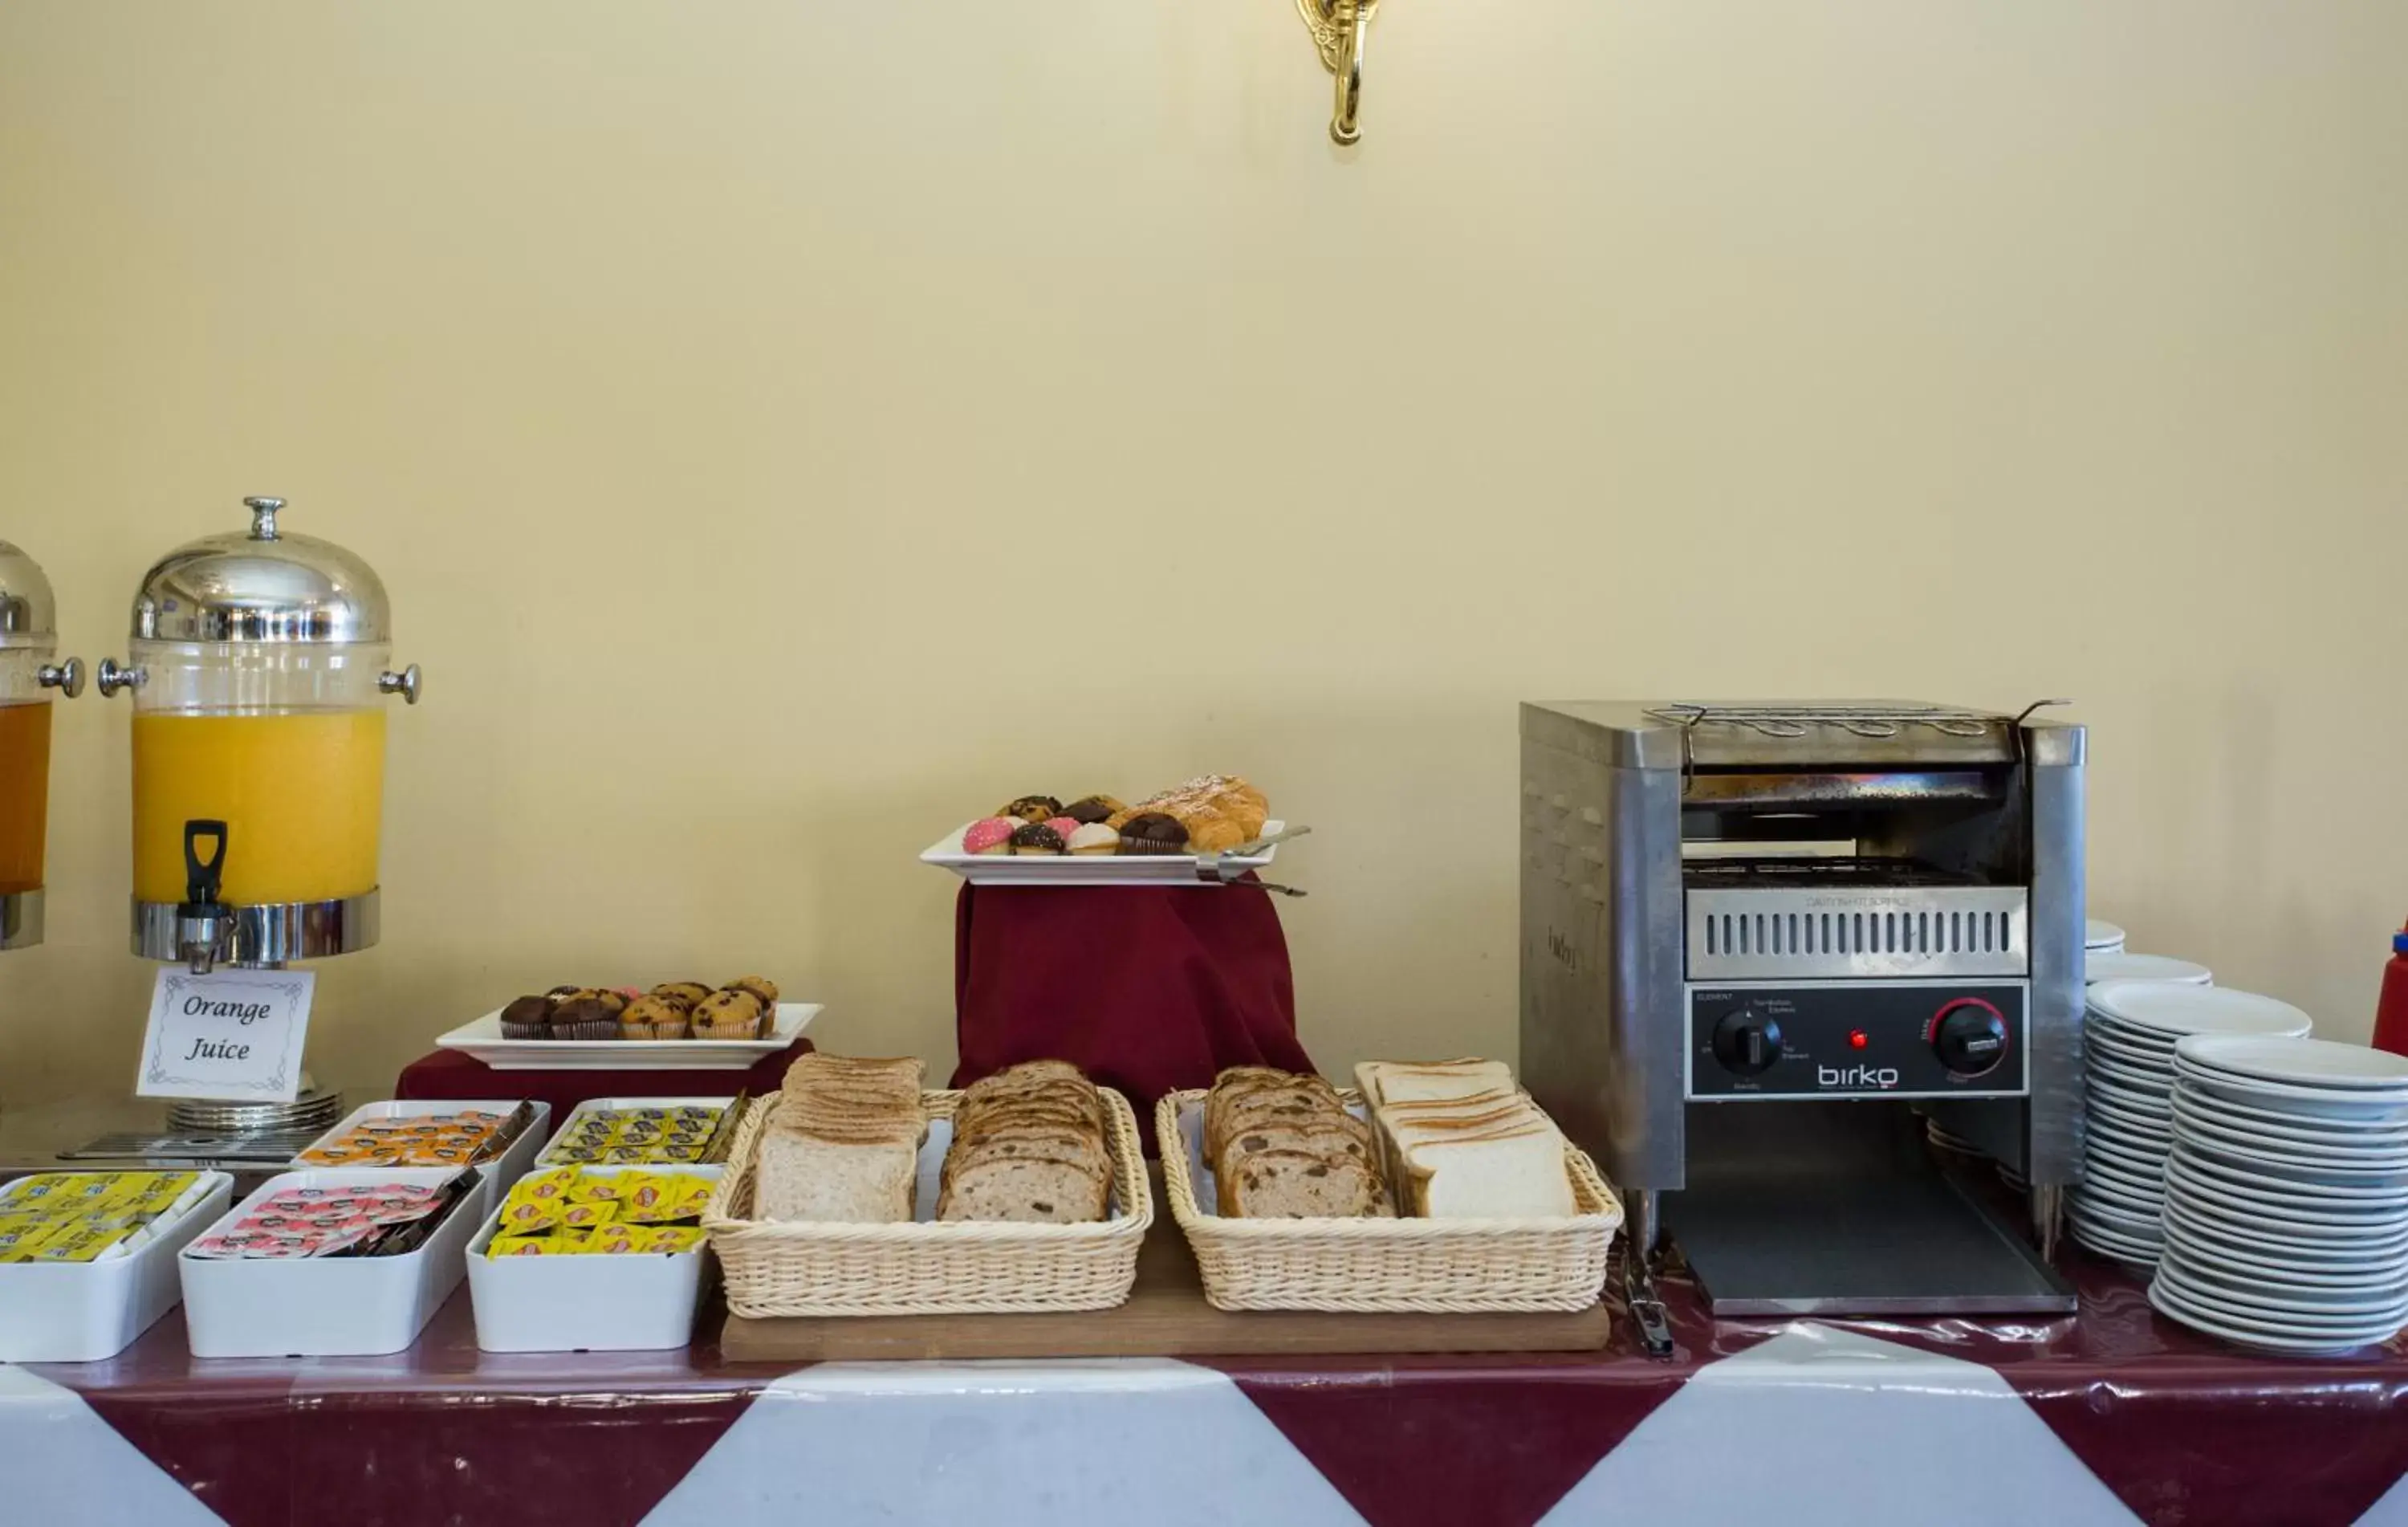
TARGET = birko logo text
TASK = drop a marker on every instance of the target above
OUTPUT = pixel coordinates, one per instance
(1856, 1076)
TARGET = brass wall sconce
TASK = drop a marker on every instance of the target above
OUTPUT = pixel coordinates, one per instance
(1337, 29)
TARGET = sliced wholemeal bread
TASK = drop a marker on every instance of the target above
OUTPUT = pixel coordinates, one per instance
(801, 1176)
(1298, 1185)
(1024, 1189)
(1282, 1146)
(842, 1142)
(1029, 1144)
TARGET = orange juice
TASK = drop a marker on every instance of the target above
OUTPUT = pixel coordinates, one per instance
(24, 793)
(301, 792)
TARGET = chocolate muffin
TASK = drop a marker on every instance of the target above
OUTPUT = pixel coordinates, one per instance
(584, 1018)
(1036, 838)
(528, 1017)
(1089, 810)
(1152, 832)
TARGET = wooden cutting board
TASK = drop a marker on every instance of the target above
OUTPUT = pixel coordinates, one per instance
(1165, 1316)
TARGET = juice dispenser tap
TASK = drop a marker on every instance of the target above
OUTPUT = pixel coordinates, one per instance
(28, 675)
(201, 922)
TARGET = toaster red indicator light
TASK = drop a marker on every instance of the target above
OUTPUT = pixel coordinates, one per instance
(1857, 1039)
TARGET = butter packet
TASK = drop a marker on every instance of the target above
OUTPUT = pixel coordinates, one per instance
(606, 1186)
(613, 1239)
(691, 1193)
(584, 1216)
(645, 1197)
(21, 1234)
(523, 1216)
(669, 1239)
(551, 1183)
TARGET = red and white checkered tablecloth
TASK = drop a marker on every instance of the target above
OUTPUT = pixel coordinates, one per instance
(2110, 1417)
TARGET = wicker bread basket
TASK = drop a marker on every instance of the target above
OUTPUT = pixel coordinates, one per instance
(1422, 1266)
(958, 1268)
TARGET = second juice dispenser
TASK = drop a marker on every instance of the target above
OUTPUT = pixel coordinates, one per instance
(28, 641)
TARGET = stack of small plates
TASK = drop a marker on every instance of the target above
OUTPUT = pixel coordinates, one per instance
(2287, 1193)
(2128, 1040)
(2103, 938)
(2116, 965)
(311, 1110)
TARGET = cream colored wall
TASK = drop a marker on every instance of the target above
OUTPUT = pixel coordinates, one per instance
(788, 429)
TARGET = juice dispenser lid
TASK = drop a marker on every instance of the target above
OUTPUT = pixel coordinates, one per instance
(264, 585)
(28, 612)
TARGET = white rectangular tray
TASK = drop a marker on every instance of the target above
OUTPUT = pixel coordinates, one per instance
(597, 1106)
(500, 1173)
(482, 1039)
(1088, 870)
(335, 1306)
(82, 1312)
(630, 1302)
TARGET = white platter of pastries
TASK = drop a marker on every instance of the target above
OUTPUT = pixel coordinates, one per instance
(676, 1025)
(1437, 1187)
(855, 1191)
(1099, 840)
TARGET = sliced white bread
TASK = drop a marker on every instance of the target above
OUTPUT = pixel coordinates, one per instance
(1409, 1081)
(1494, 1168)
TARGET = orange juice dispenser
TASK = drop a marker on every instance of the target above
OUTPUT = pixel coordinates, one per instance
(258, 672)
(28, 642)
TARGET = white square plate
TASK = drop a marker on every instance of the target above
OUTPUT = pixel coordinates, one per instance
(483, 1040)
(1083, 869)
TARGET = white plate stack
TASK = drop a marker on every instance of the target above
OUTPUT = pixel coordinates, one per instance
(2287, 1193)
(2118, 965)
(2128, 1039)
(2101, 938)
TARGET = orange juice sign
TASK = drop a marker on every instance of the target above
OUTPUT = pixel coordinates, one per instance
(232, 1034)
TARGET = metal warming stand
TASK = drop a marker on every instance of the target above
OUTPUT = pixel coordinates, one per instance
(257, 668)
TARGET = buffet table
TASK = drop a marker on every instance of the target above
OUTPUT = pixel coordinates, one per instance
(2112, 1416)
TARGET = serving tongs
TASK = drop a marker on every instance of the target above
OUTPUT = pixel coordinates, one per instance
(1213, 869)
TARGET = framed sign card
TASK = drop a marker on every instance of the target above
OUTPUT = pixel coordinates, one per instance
(231, 1034)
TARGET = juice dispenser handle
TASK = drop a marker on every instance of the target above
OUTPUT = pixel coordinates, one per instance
(404, 684)
(203, 876)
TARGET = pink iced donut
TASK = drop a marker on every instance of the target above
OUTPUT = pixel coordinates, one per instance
(985, 836)
(1063, 826)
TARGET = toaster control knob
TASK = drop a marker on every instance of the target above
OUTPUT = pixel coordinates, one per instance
(1747, 1043)
(1969, 1036)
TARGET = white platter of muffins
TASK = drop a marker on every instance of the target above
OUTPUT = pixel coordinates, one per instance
(1100, 840)
(677, 1025)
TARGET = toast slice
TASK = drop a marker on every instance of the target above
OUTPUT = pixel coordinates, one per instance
(1406, 1081)
(1507, 1174)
